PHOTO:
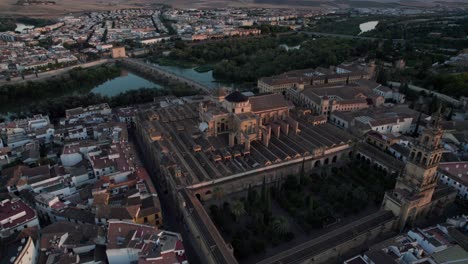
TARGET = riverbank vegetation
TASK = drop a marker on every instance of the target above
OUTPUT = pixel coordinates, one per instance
(451, 84)
(425, 31)
(56, 107)
(312, 53)
(424, 44)
(424, 68)
(246, 60)
(163, 61)
(269, 29)
(77, 80)
(348, 25)
(9, 24)
(55, 95)
(204, 68)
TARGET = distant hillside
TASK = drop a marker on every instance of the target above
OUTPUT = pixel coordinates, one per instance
(359, 3)
(315, 3)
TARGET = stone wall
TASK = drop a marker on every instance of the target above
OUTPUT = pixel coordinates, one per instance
(336, 245)
(357, 244)
(271, 174)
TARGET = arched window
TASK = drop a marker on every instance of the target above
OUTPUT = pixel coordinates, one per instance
(418, 157)
(334, 159)
(317, 164)
(326, 161)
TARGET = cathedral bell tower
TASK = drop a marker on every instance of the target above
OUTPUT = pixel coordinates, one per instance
(411, 199)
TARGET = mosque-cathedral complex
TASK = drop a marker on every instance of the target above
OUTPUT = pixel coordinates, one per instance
(230, 141)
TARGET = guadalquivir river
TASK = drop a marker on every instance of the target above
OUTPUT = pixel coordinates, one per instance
(125, 82)
(368, 26)
(130, 81)
(205, 78)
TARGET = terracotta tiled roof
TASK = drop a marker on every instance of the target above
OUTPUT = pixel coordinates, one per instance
(268, 102)
(12, 208)
(458, 171)
(383, 121)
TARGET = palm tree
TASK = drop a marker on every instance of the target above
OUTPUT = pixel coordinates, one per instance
(280, 225)
(238, 209)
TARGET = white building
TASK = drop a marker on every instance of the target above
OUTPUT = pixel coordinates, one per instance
(128, 242)
(27, 252)
(427, 241)
(391, 125)
(80, 112)
(37, 122)
(104, 47)
(389, 94)
(455, 174)
(153, 40)
(45, 204)
(15, 215)
(71, 155)
(56, 186)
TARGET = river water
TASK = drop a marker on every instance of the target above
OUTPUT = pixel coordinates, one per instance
(20, 27)
(205, 78)
(368, 26)
(288, 48)
(126, 82)
(129, 81)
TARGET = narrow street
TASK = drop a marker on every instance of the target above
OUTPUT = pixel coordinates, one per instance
(170, 221)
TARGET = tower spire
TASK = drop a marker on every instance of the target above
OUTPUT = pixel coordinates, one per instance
(412, 199)
(437, 118)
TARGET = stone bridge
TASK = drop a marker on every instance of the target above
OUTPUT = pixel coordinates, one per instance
(148, 68)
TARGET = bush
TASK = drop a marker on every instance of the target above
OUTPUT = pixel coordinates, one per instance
(258, 245)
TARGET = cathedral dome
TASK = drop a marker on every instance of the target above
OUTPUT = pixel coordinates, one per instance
(236, 97)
